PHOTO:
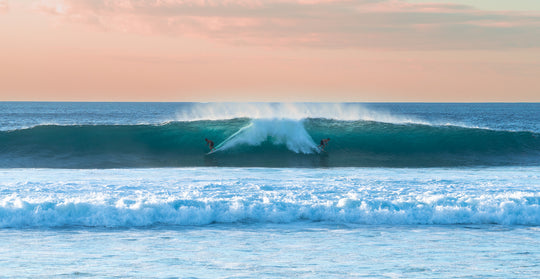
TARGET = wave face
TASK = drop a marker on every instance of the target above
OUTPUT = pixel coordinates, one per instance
(202, 196)
(265, 143)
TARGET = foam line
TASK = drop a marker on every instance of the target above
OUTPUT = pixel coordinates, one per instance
(514, 209)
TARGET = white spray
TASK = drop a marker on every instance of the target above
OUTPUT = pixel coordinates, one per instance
(282, 123)
(290, 133)
(296, 111)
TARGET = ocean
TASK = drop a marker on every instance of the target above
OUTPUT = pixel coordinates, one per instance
(402, 190)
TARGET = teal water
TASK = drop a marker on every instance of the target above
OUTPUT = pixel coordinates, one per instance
(403, 190)
(284, 137)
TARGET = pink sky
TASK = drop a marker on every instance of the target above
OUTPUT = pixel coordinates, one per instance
(235, 50)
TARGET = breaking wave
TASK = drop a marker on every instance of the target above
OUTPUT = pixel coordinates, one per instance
(519, 208)
(271, 142)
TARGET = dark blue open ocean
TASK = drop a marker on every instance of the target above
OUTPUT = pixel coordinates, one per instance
(403, 190)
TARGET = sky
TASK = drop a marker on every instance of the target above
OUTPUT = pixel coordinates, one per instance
(300, 50)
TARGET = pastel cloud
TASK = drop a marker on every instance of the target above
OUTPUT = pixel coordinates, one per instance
(389, 24)
(4, 6)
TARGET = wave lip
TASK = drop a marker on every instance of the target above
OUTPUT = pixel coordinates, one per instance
(292, 111)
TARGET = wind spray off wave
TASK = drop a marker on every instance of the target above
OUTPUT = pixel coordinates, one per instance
(293, 111)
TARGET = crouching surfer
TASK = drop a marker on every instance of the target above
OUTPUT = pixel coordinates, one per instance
(324, 143)
(210, 144)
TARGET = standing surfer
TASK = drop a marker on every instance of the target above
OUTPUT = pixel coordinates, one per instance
(210, 144)
(324, 143)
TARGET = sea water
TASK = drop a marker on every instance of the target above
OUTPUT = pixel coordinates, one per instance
(401, 191)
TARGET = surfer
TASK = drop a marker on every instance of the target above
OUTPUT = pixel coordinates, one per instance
(210, 144)
(324, 143)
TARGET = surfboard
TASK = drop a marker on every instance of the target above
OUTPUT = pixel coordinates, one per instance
(217, 148)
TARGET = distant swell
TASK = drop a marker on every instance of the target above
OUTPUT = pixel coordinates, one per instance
(265, 143)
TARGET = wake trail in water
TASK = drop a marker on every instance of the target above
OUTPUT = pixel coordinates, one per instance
(289, 133)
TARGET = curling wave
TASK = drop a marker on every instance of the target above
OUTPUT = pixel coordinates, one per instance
(265, 143)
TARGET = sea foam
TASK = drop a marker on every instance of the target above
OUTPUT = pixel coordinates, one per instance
(202, 196)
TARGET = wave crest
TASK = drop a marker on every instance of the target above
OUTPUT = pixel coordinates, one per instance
(294, 111)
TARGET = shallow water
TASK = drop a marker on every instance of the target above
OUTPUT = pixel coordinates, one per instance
(267, 223)
(308, 250)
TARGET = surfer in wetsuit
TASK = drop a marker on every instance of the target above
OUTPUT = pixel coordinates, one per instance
(324, 143)
(210, 144)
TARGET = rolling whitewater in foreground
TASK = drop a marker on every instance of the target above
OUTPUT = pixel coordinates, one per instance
(402, 190)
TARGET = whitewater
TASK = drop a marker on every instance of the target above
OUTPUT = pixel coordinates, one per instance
(403, 190)
(201, 196)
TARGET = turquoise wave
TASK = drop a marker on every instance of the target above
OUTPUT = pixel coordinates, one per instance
(265, 143)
